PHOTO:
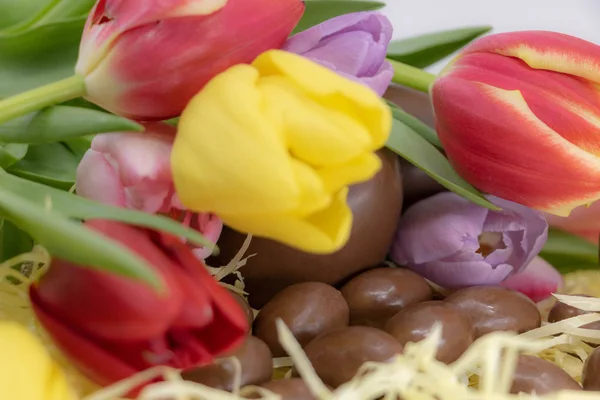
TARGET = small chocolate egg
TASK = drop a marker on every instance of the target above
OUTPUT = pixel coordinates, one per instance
(376, 206)
(290, 389)
(591, 372)
(416, 322)
(376, 295)
(337, 355)
(562, 311)
(308, 309)
(245, 306)
(256, 365)
(493, 308)
(534, 374)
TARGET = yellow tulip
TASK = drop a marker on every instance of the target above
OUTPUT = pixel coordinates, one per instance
(27, 372)
(272, 147)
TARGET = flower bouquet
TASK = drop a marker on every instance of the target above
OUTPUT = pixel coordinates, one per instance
(271, 199)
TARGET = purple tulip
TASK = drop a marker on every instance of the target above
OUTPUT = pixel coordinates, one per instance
(455, 243)
(354, 45)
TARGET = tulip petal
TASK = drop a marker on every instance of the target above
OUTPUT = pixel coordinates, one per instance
(98, 180)
(538, 281)
(454, 275)
(321, 232)
(512, 170)
(437, 228)
(546, 50)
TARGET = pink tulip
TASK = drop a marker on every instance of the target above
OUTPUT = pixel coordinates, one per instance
(145, 59)
(584, 221)
(537, 281)
(133, 170)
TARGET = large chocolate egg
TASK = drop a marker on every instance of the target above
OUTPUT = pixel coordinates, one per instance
(413, 102)
(376, 205)
(535, 375)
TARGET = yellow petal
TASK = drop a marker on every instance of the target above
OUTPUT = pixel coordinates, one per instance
(331, 90)
(359, 169)
(315, 134)
(27, 371)
(323, 232)
(226, 151)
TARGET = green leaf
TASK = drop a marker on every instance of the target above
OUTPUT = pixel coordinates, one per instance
(80, 145)
(568, 252)
(52, 164)
(13, 241)
(318, 11)
(424, 50)
(415, 124)
(411, 146)
(74, 206)
(38, 56)
(70, 240)
(44, 12)
(11, 153)
(59, 123)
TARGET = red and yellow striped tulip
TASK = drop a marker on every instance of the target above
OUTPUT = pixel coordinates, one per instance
(519, 117)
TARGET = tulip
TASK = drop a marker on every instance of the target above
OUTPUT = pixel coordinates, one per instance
(279, 163)
(27, 371)
(354, 45)
(146, 58)
(517, 114)
(133, 170)
(584, 221)
(112, 327)
(538, 281)
(455, 243)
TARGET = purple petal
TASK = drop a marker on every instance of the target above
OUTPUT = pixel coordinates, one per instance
(454, 275)
(435, 228)
(537, 281)
(346, 52)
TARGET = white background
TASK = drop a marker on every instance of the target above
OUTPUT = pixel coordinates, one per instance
(575, 17)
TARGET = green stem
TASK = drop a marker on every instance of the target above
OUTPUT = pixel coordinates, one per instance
(412, 77)
(41, 97)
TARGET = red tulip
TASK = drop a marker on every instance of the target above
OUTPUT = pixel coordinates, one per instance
(145, 59)
(112, 327)
(518, 115)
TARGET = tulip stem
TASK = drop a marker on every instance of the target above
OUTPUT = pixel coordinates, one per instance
(412, 77)
(41, 97)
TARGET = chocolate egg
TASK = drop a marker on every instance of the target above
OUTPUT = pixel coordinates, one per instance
(562, 311)
(591, 372)
(337, 355)
(308, 309)
(534, 374)
(245, 306)
(416, 322)
(376, 205)
(492, 308)
(413, 102)
(417, 185)
(376, 295)
(290, 389)
(256, 362)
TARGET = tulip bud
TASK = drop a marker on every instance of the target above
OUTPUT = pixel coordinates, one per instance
(455, 243)
(538, 281)
(518, 115)
(584, 221)
(146, 58)
(112, 327)
(354, 45)
(133, 170)
(27, 371)
(278, 164)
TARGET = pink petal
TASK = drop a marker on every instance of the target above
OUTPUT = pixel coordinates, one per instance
(98, 180)
(537, 281)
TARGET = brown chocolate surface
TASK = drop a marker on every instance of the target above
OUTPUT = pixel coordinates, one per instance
(245, 306)
(255, 359)
(376, 205)
(562, 311)
(534, 374)
(337, 355)
(290, 389)
(376, 295)
(413, 102)
(591, 372)
(416, 322)
(308, 309)
(417, 185)
(493, 308)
